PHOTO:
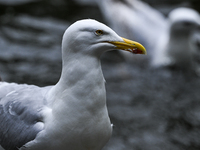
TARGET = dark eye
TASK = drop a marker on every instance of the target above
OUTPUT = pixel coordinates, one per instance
(99, 32)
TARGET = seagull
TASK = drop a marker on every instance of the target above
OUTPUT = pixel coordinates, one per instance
(167, 38)
(72, 114)
(175, 47)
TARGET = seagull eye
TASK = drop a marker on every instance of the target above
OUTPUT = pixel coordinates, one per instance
(98, 32)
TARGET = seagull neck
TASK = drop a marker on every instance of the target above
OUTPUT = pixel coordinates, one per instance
(82, 78)
(77, 69)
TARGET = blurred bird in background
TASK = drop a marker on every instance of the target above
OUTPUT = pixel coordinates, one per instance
(172, 41)
(175, 47)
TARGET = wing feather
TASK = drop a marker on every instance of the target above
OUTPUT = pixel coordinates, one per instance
(21, 115)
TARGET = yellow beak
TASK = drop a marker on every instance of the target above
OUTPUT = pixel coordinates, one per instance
(131, 46)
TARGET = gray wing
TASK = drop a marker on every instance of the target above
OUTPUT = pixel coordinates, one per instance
(20, 115)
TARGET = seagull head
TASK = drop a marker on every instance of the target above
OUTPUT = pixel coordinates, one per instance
(90, 37)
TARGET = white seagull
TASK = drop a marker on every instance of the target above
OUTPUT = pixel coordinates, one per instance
(167, 38)
(71, 115)
(176, 47)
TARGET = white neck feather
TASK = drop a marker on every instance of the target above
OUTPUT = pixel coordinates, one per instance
(81, 83)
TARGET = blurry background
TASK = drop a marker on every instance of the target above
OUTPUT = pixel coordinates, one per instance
(151, 109)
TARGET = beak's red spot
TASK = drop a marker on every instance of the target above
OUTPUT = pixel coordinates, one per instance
(137, 51)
